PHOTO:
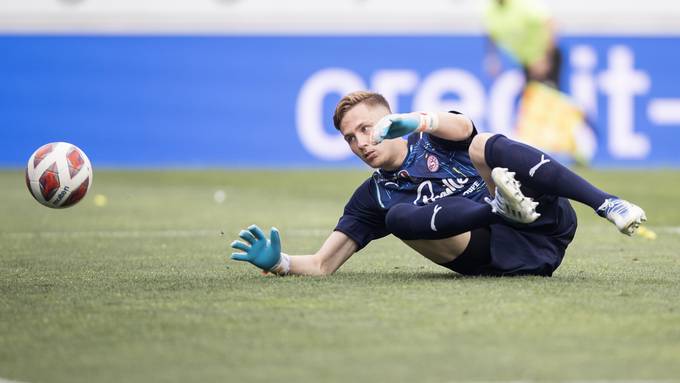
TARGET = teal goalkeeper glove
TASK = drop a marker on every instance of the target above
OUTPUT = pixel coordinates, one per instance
(261, 252)
(398, 125)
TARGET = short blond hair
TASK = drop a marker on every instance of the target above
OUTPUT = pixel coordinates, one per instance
(353, 99)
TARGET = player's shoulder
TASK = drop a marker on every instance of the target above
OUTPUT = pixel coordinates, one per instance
(363, 196)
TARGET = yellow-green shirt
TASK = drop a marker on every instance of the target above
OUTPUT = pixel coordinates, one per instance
(520, 27)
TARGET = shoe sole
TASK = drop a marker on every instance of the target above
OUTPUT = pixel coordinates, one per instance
(505, 183)
(631, 227)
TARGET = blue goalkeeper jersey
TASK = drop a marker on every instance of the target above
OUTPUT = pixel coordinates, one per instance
(434, 168)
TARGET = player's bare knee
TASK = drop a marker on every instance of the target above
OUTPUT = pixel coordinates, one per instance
(477, 149)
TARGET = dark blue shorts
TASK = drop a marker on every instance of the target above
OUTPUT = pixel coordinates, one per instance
(533, 249)
(516, 249)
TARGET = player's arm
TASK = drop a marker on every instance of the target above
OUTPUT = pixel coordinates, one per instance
(337, 249)
(266, 253)
(448, 126)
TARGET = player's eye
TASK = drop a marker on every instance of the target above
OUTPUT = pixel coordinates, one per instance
(349, 139)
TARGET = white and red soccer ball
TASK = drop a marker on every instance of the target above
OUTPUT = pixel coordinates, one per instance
(58, 175)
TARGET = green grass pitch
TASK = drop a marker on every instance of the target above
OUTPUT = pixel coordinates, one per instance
(142, 290)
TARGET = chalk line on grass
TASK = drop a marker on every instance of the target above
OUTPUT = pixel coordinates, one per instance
(3, 380)
(207, 233)
(169, 233)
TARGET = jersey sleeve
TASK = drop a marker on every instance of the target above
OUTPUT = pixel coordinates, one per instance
(363, 219)
(454, 145)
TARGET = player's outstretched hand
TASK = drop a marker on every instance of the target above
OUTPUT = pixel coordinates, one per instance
(257, 249)
(395, 125)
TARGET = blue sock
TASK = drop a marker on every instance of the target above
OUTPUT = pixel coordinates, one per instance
(441, 219)
(540, 172)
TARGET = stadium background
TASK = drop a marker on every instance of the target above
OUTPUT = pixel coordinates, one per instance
(134, 284)
(252, 83)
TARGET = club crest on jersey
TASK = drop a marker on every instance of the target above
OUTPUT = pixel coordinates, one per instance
(432, 163)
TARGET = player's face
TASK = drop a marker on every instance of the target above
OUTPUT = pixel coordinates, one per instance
(357, 126)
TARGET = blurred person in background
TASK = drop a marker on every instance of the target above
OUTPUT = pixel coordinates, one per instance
(526, 31)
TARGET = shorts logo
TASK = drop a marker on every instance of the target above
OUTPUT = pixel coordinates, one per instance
(432, 163)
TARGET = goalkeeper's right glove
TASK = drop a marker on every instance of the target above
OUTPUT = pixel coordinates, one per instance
(261, 252)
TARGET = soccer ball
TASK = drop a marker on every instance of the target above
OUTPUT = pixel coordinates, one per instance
(58, 175)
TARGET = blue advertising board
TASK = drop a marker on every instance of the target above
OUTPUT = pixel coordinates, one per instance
(267, 101)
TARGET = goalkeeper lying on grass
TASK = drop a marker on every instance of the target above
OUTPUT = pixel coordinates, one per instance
(451, 194)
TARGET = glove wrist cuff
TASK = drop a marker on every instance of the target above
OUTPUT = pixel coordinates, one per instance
(429, 122)
(282, 267)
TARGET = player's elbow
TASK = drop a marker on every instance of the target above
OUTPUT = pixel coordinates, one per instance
(454, 127)
(467, 128)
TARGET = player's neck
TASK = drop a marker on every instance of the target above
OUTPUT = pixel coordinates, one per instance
(398, 159)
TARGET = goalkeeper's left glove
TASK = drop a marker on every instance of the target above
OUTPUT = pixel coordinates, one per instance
(398, 125)
(261, 252)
